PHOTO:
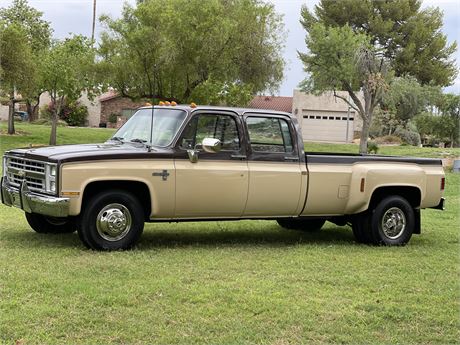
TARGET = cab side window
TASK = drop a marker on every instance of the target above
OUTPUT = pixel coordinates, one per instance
(222, 127)
(269, 134)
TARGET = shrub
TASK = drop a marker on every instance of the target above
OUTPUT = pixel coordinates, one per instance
(113, 118)
(74, 114)
(388, 139)
(408, 136)
(372, 147)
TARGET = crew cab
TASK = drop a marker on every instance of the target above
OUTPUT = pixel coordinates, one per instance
(188, 163)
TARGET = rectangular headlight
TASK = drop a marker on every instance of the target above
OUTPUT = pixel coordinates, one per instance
(50, 177)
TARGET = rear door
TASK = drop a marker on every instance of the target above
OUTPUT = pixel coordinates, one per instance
(275, 171)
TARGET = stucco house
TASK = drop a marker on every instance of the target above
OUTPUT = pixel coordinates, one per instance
(325, 118)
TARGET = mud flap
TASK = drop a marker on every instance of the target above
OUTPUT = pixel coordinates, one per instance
(417, 225)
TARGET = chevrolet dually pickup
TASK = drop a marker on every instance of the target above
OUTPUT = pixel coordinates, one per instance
(190, 163)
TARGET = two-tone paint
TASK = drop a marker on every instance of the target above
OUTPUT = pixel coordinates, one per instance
(239, 184)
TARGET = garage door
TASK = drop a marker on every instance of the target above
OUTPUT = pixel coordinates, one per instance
(327, 126)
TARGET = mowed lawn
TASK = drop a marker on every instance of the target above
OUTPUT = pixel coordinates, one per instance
(247, 282)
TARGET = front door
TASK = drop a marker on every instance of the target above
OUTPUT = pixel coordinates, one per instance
(275, 173)
(217, 185)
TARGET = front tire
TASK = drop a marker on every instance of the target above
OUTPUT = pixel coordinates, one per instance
(111, 220)
(50, 225)
(301, 224)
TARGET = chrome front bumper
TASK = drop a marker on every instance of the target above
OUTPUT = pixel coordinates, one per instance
(30, 202)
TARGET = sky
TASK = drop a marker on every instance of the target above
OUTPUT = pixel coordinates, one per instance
(75, 16)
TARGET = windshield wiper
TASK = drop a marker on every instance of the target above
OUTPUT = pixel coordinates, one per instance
(137, 140)
(120, 139)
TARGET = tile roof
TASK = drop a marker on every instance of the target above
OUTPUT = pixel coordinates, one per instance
(108, 95)
(277, 103)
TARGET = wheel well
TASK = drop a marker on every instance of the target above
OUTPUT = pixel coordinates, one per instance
(411, 194)
(138, 189)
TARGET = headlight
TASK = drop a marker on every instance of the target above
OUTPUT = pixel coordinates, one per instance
(53, 186)
(50, 177)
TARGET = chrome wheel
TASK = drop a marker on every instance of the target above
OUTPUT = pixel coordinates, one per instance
(113, 222)
(393, 223)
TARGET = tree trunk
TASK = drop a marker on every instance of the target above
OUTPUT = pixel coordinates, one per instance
(32, 109)
(11, 129)
(53, 127)
(364, 135)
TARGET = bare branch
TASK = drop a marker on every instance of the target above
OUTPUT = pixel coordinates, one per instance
(346, 101)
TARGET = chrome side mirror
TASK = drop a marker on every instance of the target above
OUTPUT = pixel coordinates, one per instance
(192, 155)
(211, 145)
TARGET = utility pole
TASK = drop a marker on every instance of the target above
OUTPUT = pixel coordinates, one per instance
(94, 21)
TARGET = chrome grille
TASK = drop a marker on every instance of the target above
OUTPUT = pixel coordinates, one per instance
(33, 172)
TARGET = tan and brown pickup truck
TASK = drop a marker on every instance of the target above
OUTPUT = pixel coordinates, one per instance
(182, 163)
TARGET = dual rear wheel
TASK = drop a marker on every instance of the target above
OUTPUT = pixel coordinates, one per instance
(391, 222)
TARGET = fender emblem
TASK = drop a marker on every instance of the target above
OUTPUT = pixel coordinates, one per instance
(164, 174)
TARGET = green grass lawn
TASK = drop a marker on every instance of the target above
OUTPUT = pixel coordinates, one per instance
(229, 282)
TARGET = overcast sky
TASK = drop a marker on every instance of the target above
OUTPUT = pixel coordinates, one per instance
(74, 16)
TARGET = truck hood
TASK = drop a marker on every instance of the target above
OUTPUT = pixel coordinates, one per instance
(66, 153)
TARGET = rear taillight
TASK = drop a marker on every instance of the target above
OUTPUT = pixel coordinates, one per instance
(443, 183)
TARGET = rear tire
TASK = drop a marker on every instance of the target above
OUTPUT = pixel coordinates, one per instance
(392, 222)
(301, 224)
(50, 225)
(361, 228)
(111, 220)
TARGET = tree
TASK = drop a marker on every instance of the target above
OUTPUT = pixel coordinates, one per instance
(340, 59)
(388, 39)
(407, 98)
(166, 50)
(450, 109)
(410, 37)
(38, 36)
(67, 70)
(16, 66)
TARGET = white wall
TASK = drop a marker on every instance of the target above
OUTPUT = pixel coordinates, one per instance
(304, 103)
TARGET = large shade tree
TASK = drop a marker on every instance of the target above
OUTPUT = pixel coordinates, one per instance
(397, 37)
(168, 49)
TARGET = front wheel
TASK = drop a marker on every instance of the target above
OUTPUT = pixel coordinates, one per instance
(50, 225)
(301, 224)
(111, 220)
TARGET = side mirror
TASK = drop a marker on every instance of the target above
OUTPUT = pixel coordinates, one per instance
(192, 156)
(211, 145)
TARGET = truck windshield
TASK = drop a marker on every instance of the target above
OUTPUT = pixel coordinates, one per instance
(138, 128)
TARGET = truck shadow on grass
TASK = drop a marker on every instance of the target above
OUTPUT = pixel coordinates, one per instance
(273, 237)
(166, 236)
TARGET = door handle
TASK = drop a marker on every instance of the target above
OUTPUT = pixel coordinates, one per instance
(240, 157)
(293, 159)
